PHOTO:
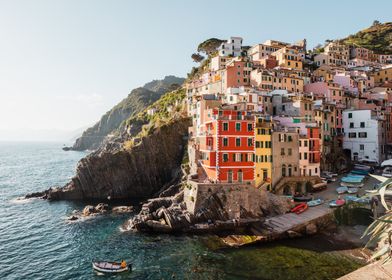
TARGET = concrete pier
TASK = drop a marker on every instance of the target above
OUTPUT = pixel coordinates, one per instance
(285, 226)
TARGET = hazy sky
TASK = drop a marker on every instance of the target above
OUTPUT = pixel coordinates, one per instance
(65, 63)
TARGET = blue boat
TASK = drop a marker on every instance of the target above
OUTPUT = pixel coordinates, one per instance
(352, 190)
(360, 172)
(342, 190)
(315, 202)
(352, 180)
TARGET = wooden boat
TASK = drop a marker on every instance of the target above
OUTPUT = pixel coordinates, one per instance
(300, 208)
(302, 198)
(352, 190)
(337, 203)
(319, 187)
(315, 202)
(110, 267)
(342, 190)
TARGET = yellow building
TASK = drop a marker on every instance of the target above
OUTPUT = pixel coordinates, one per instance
(383, 75)
(263, 155)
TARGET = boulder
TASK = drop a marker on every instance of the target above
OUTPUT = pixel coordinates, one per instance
(88, 210)
(311, 229)
(122, 209)
(101, 207)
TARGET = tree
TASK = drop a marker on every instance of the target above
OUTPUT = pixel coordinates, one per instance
(197, 57)
(209, 46)
(376, 22)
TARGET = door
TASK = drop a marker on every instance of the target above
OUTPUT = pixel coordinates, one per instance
(230, 176)
(240, 177)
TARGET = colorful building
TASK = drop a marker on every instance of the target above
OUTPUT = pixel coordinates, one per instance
(263, 152)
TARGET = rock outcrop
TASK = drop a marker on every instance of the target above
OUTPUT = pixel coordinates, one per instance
(213, 215)
(137, 173)
(135, 102)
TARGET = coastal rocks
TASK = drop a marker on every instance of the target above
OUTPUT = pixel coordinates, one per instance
(213, 215)
(137, 173)
(311, 229)
(99, 209)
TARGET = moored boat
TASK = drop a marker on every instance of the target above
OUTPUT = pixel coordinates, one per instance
(302, 198)
(110, 267)
(300, 208)
(337, 203)
(352, 190)
(341, 190)
(315, 202)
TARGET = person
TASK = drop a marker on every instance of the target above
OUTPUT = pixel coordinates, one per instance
(123, 264)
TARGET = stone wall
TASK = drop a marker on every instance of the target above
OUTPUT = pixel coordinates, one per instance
(238, 200)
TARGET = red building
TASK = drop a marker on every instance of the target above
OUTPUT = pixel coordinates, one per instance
(228, 146)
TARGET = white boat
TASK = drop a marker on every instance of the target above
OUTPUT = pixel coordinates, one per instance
(342, 190)
(110, 267)
(352, 190)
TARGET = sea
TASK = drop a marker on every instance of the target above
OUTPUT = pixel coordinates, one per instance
(38, 242)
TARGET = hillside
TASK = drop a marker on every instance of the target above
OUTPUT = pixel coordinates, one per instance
(135, 102)
(377, 37)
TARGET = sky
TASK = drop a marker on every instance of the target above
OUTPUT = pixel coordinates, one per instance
(63, 64)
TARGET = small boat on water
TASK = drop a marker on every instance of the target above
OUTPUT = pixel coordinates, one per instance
(352, 190)
(300, 208)
(341, 190)
(337, 203)
(315, 202)
(110, 267)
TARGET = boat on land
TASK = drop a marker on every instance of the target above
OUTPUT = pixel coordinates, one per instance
(315, 202)
(110, 267)
(337, 203)
(352, 198)
(302, 198)
(352, 190)
(300, 208)
(319, 187)
(341, 190)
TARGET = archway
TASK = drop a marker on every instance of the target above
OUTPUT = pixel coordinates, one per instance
(309, 187)
(298, 187)
(287, 190)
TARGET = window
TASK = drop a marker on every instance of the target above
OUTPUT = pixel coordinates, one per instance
(282, 151)
(250, 127)
(362, 135)
(352, 135)
(238, 157)
(225, 126)
(290, 151)
(250, 157)
(362, 124)
(305, 155)
(225, 157)
(362, 147)
(250, 142)
(225, 142)
(289, 138)
(351, 125)
(305, 143)
(238, 126)
(238, 142)
(350, 115)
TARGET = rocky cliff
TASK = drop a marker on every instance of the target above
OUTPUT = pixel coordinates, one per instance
(136, 173)
(135, 102)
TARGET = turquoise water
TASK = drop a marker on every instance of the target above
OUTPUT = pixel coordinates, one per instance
(37, 242)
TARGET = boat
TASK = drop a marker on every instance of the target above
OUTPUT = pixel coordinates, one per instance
(315, 202)
(302, 198)
(352, 179)
(319, 186)
(300, 208)
(337, 203)
(349, 198)
(110, 267)
(342, 190)
(352, 190)
(364, 200)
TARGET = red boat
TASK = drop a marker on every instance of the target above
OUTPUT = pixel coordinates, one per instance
(300, 208)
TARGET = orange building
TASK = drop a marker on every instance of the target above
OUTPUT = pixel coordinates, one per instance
(228, 148)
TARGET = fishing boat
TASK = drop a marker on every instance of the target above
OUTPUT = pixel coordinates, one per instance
(110, 267)
(349, 198)
(337, 203)
(341, 190)
(302, 198)
(315, 202)
(300, 208)
(319, 187)
(352, 190)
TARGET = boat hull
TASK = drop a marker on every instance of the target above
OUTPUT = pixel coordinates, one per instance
(98, 267)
